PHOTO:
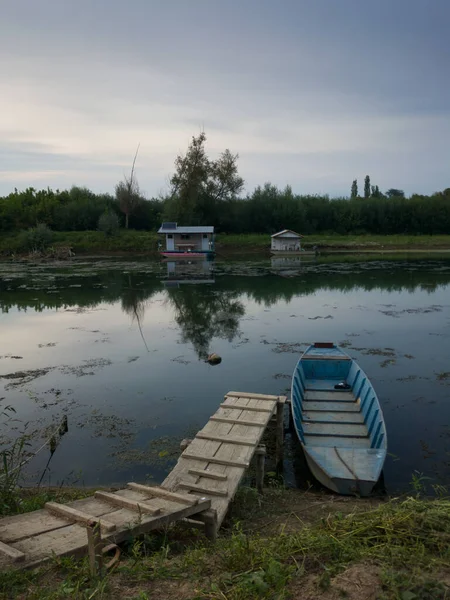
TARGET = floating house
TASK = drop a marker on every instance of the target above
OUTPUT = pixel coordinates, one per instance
(286, 242)
(191, 242)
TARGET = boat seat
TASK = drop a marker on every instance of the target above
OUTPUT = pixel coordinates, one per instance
(322, 406)
(325, 385)
(338, 442)
(351, 430)
(318, 416)
(335, 395)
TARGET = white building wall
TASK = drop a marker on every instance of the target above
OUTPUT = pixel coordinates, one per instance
(285, 243)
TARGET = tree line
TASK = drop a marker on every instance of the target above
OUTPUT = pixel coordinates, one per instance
(209, 192)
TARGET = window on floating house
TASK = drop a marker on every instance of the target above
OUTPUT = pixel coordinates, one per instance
(169, 236)
(185, 236)
(205, 236)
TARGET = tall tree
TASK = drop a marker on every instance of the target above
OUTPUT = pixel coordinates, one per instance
(375, 191)
(354, 191)
(394, 193)
(367, 186)
(198, 183)
(128, 194)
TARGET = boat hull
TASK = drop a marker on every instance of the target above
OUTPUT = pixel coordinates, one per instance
(340, 485)
(340, 427)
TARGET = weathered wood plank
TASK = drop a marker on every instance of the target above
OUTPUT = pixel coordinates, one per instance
(78, 516)
(332, 417)
(218, 461)
(250, 408)
(237, 421)
(11, 553)
(116, 500)
(72, 540)
(331, 406)
(335, 429)
(338, 442)
(202, 489)
(208, 474)
(252, 395)
(162, 493)
(25, 525)
(225, 439)
(334, 396)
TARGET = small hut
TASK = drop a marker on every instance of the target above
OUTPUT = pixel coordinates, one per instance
(286, 242)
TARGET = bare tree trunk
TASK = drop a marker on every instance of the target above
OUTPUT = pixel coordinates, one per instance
(126, 221)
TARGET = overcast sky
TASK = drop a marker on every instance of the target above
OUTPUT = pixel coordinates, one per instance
(313, 93)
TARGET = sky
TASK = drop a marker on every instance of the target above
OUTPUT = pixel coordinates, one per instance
(310, 93)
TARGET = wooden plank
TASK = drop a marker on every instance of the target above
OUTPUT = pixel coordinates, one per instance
(162, 493)
(224, 439)
(25, 525)
(338, 442)
(208, 474)
(237, 421)
(72, 540)
(250, 408)
(331, 406)
(116, 500)
(252, 395)
(76, 515)
(333, 395)
(348, 418)
(94, 541)
(335, 429)
(11, 553)
(203, 490)
(218, 461)
(326, 385)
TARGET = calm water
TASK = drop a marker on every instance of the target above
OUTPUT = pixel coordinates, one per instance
(118, 348)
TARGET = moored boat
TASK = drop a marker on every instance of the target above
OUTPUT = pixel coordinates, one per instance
(338, 420)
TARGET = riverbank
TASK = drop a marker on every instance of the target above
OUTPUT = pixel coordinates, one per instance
(284, 544)
(146, 243)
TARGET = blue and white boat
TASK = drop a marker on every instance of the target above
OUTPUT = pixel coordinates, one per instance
(338, 420)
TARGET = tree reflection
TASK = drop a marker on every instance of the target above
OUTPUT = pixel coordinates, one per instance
(203, 313)
(133, 302)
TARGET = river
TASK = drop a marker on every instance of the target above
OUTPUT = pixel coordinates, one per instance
(116, 350)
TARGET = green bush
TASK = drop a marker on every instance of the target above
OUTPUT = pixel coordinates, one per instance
(36, 238)
(108, 223)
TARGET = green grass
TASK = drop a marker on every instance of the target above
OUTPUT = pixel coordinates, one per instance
(146, 242)
(405, 542)
(93, 241)
(375, 242)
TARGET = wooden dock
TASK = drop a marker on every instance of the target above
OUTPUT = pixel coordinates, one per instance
(198, 491)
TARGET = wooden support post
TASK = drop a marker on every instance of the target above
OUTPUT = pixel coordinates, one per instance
(260, 453)
(280, 435)
(95, 549)
(184, 444)
(210, 521)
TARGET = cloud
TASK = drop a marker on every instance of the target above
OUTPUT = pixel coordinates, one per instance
(341, 88)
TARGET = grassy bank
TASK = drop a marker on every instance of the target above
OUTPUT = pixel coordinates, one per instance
(345, 242)
(93, 242)
(285, 544)
(146, 242)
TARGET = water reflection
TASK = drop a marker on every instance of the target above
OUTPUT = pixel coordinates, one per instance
(202, 313)
(186, 271)
(392, 316)
(86, 288)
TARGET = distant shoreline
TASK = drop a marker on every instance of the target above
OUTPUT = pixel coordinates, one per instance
(145, 243)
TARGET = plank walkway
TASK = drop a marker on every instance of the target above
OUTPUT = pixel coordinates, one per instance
(198, 491)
